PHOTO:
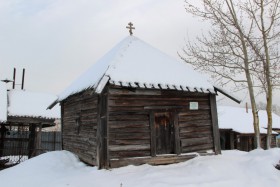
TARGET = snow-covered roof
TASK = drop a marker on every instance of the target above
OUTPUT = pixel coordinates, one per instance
(3, 102)
(31, 104)
(135, 63)
(238, 120)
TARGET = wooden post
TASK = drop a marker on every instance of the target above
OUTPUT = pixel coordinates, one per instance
(177, 137)
(22, 81)
(102, 131)
(38, 139)
(14, 77)
(231, 139)
(62, 123)
(153, 134)
(31, 142)
(214, 116)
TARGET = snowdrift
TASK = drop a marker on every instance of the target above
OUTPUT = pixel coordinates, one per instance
(231, 169)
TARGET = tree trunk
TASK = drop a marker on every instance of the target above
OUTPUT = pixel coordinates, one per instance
(257, 139)
(267, 77)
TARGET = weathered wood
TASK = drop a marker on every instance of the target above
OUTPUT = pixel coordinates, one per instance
(194, 128)
(28, 120)
(121, 91)
(177, 134)
(216, 135)
(198, 148)
(127, 124)
(129, 136)
(231, 139)
(165, 140)
(129, 142)
(129, 154)
(62, 123)
(31, 142)
(82, 144)
(103, 131)
(158, 160)
(163, 107)
(196, 141)
(129, 147)
(122, 125)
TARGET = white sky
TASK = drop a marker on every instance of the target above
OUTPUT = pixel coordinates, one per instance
(57, 40)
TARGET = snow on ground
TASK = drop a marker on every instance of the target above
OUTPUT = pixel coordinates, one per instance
(232, 169)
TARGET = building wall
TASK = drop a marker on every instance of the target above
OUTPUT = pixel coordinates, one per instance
(129, 118)
(242, 142)
(79, 119)
(115, 128)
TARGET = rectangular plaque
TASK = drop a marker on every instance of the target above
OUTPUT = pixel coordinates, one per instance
(193, 105)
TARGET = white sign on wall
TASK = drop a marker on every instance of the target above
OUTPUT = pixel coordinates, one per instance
(193, 105)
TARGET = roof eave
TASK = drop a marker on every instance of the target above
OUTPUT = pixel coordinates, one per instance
(227, 95)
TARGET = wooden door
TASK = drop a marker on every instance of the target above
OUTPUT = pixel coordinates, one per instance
(164, 127)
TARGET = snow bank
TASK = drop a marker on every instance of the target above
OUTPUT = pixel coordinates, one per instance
(233, 168)
(3, 102)
(31, 104)
(239, 121)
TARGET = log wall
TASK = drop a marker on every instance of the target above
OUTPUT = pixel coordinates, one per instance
(195, 126)
(80, 125)
(129, 121)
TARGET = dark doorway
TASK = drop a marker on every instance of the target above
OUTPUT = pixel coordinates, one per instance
(165, 139)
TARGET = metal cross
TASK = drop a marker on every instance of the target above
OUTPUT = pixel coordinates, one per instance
(130, 27)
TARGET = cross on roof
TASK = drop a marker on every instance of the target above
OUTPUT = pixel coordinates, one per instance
(130, 27)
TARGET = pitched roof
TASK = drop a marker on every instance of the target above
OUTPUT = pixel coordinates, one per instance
(3, 102)
(238, 120)
(31, 104)
(135, 63)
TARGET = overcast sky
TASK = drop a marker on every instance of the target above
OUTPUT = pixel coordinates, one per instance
(57, 40)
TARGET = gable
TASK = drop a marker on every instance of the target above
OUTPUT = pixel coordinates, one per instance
(135, 63)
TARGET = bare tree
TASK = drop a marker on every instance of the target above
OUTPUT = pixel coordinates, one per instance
(225, 51)
(266, 16)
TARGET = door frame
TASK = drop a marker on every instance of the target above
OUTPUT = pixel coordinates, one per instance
(174, 113)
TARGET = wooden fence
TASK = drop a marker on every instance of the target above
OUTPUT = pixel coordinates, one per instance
(15, 145)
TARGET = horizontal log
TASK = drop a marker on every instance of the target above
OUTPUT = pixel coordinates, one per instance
(198, 148)
(196, 129)
(129, 147)
(129, 142)
(193, 113)
(114, 110)
(194, 118)
(130, 130)
(196, 141)
(129, 154)
(134, 136)
(200, 123)
(129, 118)
(158, 160)
(128, 124)
(113, 91)
(195, 134)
